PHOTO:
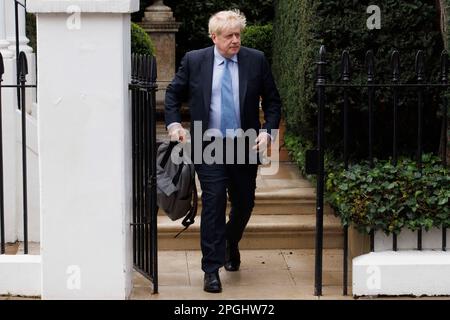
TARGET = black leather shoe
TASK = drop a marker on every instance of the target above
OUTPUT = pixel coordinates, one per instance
(212, 282)
(232, 258)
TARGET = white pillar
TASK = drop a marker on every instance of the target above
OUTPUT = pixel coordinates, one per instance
(11, 29)
(6, 53)
(84, 125)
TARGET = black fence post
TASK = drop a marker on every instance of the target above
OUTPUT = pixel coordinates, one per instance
(395, 65)
(444, 81)
(153, 181)
(320, 176)
(23, 71)
(419, 67)
(345, 77)
(2, 209)
(133, 85)
(369, 63)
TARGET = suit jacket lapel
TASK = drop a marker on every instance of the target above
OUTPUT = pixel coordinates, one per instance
(207, 75)
(243, 79)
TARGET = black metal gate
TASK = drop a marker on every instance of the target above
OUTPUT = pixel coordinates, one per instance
(144, 224)
(315, 158)
(21, 86)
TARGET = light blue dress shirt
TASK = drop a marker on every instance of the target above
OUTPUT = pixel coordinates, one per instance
(215, 110)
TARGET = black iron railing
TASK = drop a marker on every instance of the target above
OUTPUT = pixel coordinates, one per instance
(21, 86)
(144, 225)
(317, 155)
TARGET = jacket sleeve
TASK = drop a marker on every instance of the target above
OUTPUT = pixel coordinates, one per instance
(271, 102)
(177, 92)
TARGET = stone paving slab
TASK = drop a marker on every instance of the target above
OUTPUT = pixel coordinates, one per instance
(264, 274)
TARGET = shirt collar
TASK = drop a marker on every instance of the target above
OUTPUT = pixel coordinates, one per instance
(219, 59)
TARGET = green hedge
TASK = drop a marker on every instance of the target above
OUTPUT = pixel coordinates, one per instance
(31, 30)
(140, 41)
(259, 37)
(194, 16)
(301, 26)
(385, 197)
(390, 198)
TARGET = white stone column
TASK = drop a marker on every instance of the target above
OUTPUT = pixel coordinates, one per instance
(11, 30)
(84, 125)
(6, 53)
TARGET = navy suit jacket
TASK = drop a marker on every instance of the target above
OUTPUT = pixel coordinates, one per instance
(193, 83)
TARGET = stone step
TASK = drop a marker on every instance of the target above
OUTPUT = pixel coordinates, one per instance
(262, 232)
(277, 202)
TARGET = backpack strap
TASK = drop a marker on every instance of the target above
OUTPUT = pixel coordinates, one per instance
(190, 217)
(169, 149)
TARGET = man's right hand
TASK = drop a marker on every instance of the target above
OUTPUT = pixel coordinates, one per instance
(177, 132)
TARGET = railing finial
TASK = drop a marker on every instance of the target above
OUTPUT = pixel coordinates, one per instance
(395, 65)
(133, 66)
(321, 65)
(345, 66)
(2, 67)
(420, 66)
(369, 63)
(153, 71)
(146, 68)
(140, 68)
(322, 53)
(444, 66)
(23, 65)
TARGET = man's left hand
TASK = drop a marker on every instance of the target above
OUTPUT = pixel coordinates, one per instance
(262, 142)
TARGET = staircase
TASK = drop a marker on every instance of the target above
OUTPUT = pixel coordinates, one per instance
(283, 216)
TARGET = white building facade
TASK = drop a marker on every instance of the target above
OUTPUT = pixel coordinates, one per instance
(78, 151)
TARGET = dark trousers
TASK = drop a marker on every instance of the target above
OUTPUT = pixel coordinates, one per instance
(215, 180)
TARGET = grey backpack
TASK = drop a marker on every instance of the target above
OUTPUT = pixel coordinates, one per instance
(176, 189)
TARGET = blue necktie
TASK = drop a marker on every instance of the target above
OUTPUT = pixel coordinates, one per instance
(228, 119)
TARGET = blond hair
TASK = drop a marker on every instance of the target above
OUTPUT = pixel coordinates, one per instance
(229, 19)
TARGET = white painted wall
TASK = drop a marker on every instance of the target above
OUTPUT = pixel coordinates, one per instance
(84, 142)
(407, 240)
(402, 273)
(20, 275)
(406, 271)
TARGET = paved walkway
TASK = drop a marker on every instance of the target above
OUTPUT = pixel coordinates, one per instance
(264, 274)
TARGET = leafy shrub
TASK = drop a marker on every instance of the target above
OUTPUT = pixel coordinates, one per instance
(297, 147)
(259, 37)
(389, 198)
(31, 30)
(141, 42)
(194, 16)
(301, 26)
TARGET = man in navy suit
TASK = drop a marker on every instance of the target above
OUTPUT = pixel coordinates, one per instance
(224, 85)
